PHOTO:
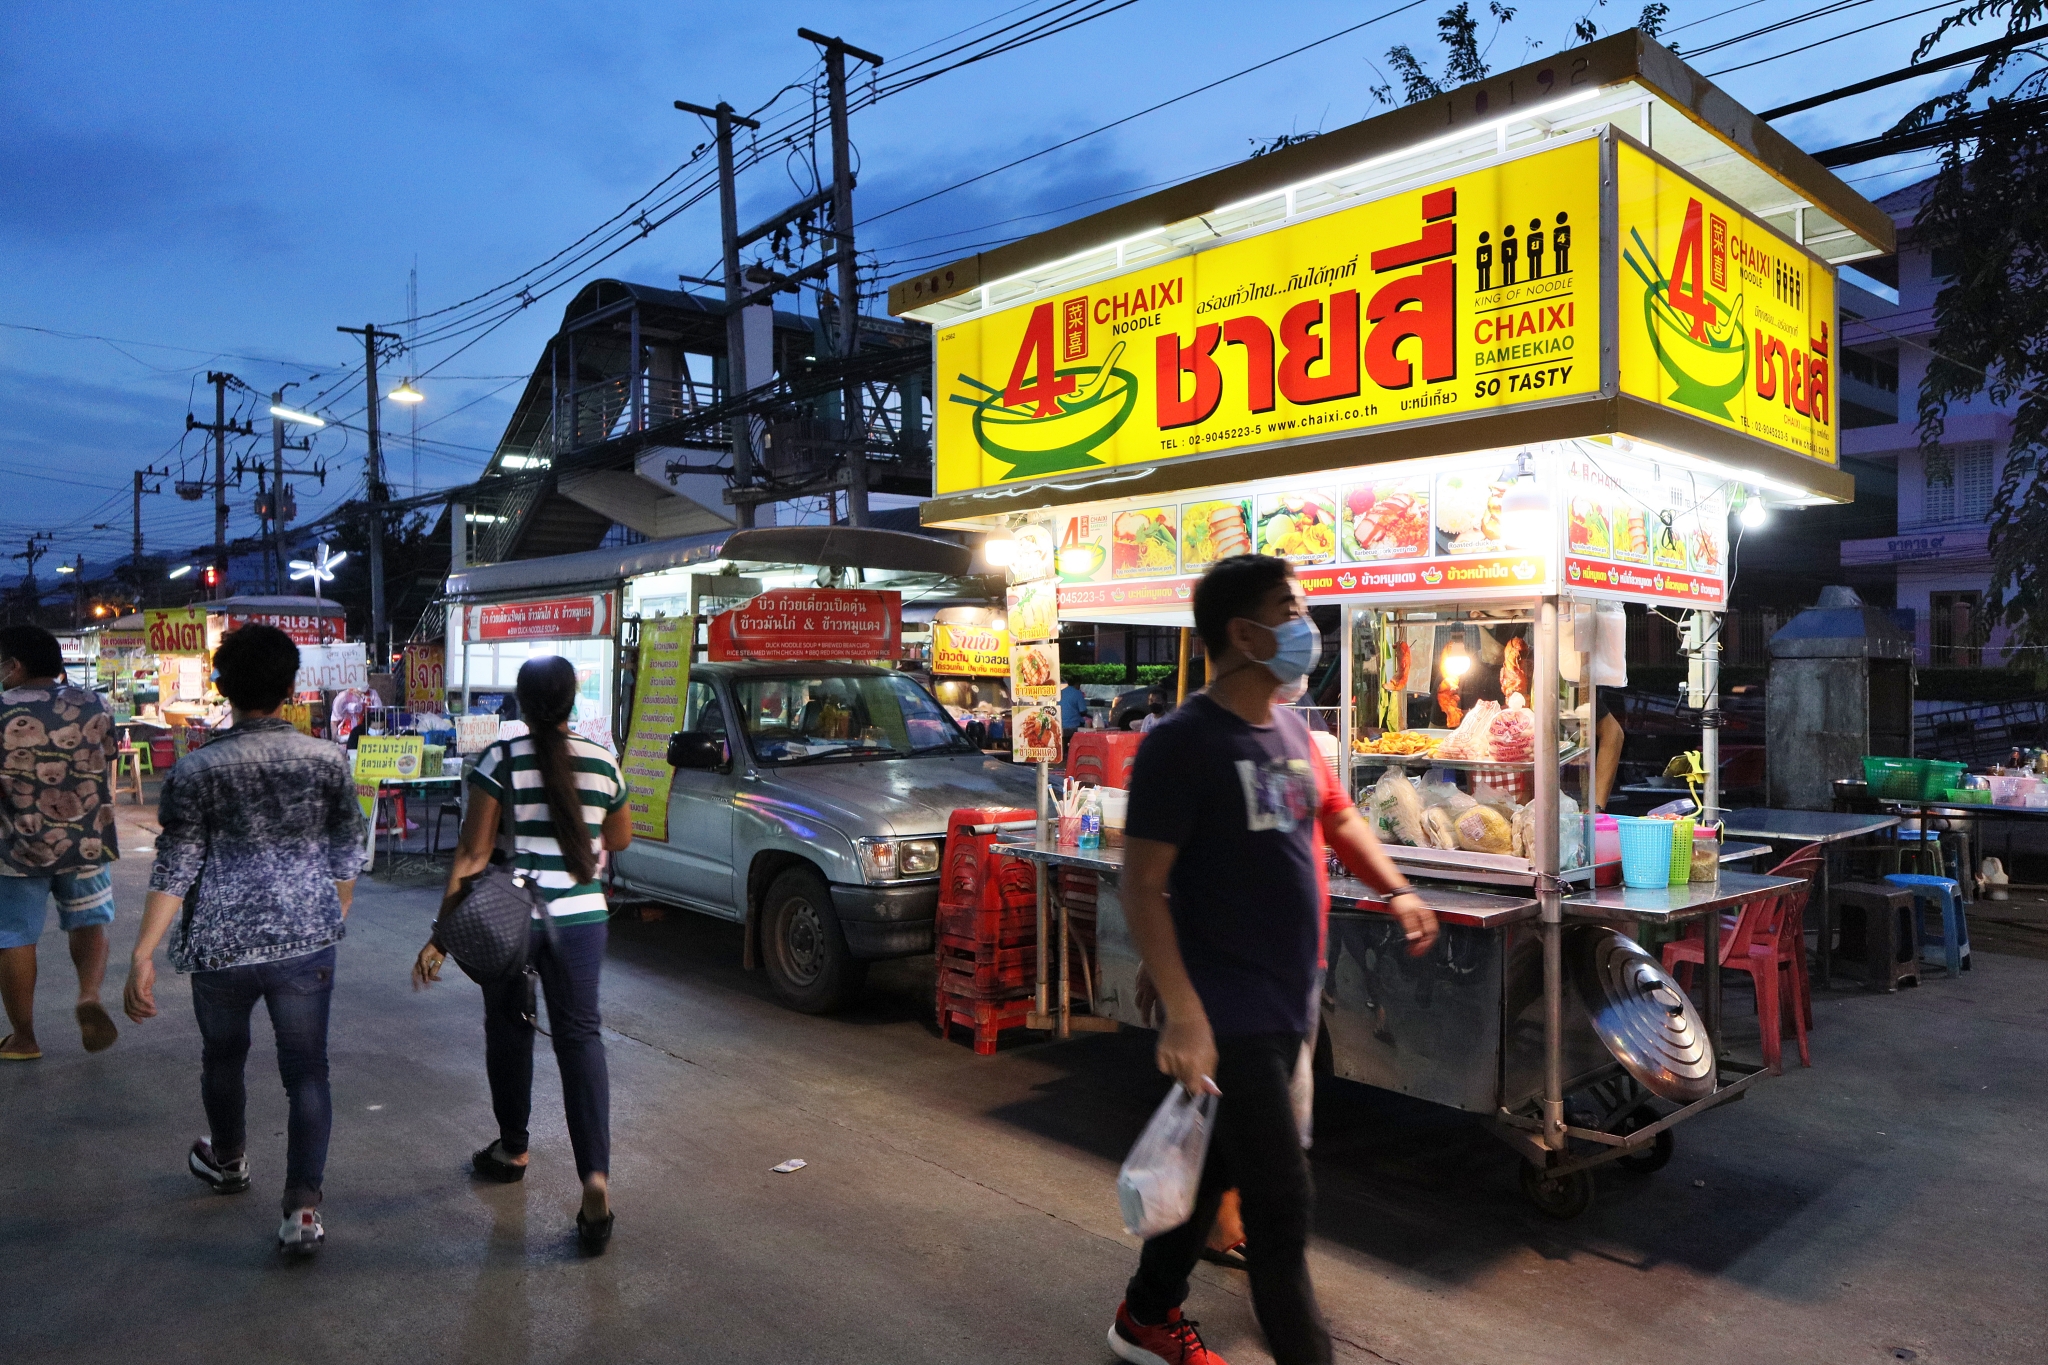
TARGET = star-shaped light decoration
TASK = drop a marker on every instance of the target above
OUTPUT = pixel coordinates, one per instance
(320, 568)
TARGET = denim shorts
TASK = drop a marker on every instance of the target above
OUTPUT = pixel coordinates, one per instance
(85, 897)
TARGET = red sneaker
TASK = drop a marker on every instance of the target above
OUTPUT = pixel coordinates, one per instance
(1173, 1342)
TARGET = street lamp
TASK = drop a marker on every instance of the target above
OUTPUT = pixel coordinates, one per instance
(180, 571)
(279, 410)
(320, 568)
(406, 393)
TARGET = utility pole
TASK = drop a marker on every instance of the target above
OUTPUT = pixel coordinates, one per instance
(150, 473)
(38, 546)
(380, 656)
(737, 380)
(221, 429)
(852, 408)
(277, 508)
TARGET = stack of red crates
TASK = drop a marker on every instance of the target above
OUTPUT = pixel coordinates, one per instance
(987, 931)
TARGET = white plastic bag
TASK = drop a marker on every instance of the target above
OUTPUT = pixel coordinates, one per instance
(1156, 1187)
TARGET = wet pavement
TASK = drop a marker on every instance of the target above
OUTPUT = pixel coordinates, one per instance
(961, 1209)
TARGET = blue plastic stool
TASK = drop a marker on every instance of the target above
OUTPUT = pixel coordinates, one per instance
(1916, 845)
(1955, 930)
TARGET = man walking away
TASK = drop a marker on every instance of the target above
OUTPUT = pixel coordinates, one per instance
(1229, 806)
(56, 834)
(257, 861)
(1073, 712)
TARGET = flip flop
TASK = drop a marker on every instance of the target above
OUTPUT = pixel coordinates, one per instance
(96, 1027)
(1231, 1258)
(9, 1053)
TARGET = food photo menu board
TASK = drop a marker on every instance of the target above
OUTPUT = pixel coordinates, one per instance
(1629, 526)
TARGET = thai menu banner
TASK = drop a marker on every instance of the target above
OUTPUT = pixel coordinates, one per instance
(1722, 318)
(559, 618)
(659, 683)
(811, 623)
(176, 630)
(1623, 524)
(1476, 293)
(970, 651)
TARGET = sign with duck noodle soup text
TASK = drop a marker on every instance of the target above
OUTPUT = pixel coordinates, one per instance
(1473, 294)
(800, 624)
(659, 683)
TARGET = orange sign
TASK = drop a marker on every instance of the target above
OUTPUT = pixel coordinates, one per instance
(811, 623)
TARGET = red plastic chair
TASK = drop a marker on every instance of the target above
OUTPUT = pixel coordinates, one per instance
(1766, 938)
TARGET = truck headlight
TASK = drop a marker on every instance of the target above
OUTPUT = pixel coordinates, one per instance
(883, 860)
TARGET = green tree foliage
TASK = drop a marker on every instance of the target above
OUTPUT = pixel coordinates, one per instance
(1985, 217)
(1465, 59)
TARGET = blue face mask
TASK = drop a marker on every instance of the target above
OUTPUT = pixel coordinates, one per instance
(1298, 647)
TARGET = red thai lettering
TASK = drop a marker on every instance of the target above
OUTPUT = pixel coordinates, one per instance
(1432, 321)
(1304, 348)
(1175, 361)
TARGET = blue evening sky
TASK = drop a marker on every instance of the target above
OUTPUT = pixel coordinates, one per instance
(225, 183)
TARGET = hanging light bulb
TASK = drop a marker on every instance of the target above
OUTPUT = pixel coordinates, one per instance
(999, 548)
(1457, 660)
(1525, 520)
(1753, 514)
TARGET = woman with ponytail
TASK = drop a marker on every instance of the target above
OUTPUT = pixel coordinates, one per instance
(566, 797)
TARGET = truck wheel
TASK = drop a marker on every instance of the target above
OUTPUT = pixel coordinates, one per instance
(803, 946)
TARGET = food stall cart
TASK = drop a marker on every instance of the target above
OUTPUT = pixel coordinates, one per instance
(1479, 369)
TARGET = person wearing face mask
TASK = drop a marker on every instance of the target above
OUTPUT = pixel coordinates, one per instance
(1224, 890)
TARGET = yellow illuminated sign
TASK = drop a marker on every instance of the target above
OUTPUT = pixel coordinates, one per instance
(1473, 294)
(1720, 317)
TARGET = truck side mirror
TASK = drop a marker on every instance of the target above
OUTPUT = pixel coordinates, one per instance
(694, 749)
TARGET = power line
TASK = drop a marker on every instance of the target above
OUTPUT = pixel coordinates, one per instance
(1836, 38)
(1152, 109)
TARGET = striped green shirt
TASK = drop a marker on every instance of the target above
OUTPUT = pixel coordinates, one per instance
(533, 847)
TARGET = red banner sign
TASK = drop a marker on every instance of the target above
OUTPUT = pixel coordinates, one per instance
(811, 623)
(1464, 575)
(1645, 582)
(304, 629)
(559, 618)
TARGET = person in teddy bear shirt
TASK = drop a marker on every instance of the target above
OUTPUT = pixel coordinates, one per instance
(56, 834)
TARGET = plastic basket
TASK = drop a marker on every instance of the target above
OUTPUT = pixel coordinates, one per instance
(1939, 777)
(1894, 777)
(1968, 796)
(2010, 789)
(1645, 852)
(1681, 850)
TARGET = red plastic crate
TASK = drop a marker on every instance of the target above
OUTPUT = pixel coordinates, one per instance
(984, 1018)
(1007, 927)
(973, 877)
(972, 968)
(1103, 757)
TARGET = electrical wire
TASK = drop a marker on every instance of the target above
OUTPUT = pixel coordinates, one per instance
(1151, 109)
(1823, 42)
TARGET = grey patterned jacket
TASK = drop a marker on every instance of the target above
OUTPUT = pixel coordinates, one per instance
(258, 826)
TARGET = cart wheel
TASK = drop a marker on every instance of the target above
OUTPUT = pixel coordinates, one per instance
(1558, 1196)
(1651, 1158)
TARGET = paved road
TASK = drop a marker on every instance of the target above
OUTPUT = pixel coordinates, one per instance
(960, 1209)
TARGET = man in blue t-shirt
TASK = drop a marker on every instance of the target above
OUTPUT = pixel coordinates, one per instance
(1225, 893)
(1073, 711)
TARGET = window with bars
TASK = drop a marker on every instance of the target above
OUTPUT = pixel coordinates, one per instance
(1965, 494)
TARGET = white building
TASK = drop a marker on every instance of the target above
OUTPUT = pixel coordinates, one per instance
(1937, 558)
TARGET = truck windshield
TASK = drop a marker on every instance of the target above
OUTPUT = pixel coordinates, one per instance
(800, 720)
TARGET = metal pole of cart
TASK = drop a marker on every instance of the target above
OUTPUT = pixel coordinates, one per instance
(1346, 652)
(1708, 632)
(1549, 894)
(1038, 1015)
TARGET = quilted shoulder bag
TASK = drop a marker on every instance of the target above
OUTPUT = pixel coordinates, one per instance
(487, 924)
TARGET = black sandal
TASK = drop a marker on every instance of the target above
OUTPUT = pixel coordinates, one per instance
(493, 1167)
(594, 1237)
(1231, 1258)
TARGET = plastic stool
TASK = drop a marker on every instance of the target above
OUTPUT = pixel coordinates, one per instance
(145, 757)
(1918, 845)
(1877, 926)
(1955, 929)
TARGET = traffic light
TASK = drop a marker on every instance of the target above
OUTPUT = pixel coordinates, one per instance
(212, 578)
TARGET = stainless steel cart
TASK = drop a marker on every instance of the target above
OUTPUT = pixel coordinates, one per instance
(1477, 1023)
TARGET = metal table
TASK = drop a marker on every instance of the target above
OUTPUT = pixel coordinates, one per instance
(1675, 904)
(1946, 810)
(1822, 827)
(394, 839)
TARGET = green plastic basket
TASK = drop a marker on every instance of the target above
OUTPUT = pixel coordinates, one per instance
(1897, 778)
(1968, 796)
(1681, 850)
(1939, 777)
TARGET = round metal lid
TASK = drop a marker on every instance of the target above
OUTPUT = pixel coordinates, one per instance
(1640, 1013)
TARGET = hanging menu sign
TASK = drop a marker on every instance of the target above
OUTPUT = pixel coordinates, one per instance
(663, 674)
(801, 624)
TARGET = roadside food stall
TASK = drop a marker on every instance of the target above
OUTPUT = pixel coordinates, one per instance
(970, 664)
(1477, 368)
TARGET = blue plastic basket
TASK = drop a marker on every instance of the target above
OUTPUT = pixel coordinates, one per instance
(1645, 852)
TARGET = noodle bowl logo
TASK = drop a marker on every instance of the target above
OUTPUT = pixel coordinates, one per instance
(1699, 337)
(1432, 576)
(1525, 570)
(1047, 420)
(1347, 581)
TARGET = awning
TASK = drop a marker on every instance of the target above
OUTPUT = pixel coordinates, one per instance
(849, 547)
(588, 568)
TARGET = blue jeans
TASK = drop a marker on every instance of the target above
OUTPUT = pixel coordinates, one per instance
(297, 992)
(568, 976)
